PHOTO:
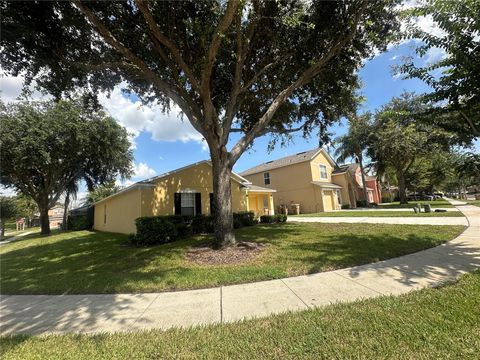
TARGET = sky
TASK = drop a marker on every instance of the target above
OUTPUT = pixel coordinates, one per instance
(163, 142)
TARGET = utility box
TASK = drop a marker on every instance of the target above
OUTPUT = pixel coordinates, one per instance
(427, 208)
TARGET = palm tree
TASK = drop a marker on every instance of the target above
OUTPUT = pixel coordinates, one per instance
(354, 143)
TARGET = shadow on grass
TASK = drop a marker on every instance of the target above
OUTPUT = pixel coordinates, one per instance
(99, 261)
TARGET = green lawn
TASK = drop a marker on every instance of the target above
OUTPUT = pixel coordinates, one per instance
(440, 203)
(93, 262)
(473, 202)
(377, 213)
(441, 323)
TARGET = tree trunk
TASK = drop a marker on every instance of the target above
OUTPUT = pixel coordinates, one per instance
(65, 211)
(2, 229)
(401, 187)
(365, 192)
(222, 196)
(44, 221)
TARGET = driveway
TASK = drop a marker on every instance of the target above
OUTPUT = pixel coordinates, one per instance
(44, 314)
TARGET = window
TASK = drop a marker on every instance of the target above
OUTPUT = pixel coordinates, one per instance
(266, 178)
(187, 204)
(105, 213)
(323, 172)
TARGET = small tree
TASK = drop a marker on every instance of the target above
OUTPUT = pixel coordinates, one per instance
(247, 67)
(354, 144)
(48, 145)
(8, 211)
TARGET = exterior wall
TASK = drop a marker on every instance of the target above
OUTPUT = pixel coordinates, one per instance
(348, 194)
(321, 159)
(376, 193)
(160, 199)
(122, 210)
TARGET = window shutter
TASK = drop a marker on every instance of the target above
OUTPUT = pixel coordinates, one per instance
(178, 204)
(198, 204)
(212, 204)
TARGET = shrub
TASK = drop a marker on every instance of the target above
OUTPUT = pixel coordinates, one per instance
(273, 219)
(346, 206)
(361, 203)
(78, 222)
(244, 218)
(154, 230)
(202, 224)
(386, 199)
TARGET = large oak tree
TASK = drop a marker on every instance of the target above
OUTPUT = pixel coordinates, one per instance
(47, 146)
(249, 67)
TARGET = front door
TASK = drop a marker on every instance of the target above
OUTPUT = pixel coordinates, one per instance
(328, 200)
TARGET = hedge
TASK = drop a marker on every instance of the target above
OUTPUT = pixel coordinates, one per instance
(273, 219)
(155, 230)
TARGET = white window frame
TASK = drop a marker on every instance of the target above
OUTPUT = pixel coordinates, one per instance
(266, 178)
(191, 200)
(320, 167)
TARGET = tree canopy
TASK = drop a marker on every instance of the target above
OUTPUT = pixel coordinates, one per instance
(249, 67)
(47, 145)
(455, 78)
(400, 136)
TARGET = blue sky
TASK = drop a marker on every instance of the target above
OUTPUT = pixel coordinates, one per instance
(379, 86)
(162, 142)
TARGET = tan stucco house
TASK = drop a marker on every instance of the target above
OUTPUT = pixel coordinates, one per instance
(185, 191)
(310, 178)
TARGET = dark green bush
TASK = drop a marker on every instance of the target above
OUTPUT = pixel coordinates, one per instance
(386, 199)
(361, 203)
(162, 229)
(273, 219)
(244, 218)
(346, 206)
(154, 230)
(78, 222)
(202, 224)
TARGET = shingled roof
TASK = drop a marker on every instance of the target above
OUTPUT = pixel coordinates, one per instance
(288, 160)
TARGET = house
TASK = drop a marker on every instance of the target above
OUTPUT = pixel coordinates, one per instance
(185, 191)
(310, 179)
(374, 194)
(55, 217)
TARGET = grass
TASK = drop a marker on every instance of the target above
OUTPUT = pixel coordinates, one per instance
(94, 262)
(377, 213)
(440, 203)
(440, 323)
(473, 202)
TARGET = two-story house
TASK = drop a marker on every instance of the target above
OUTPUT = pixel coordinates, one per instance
(309, 179)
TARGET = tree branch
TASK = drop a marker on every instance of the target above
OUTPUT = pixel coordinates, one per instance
(222, 27)
(470, 123)
(149, 19)
(148, 73)
(303, 79)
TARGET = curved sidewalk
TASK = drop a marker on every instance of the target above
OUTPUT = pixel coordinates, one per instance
(43, 314)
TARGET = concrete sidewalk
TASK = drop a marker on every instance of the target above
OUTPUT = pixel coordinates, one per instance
(383, 220)
(41, 314)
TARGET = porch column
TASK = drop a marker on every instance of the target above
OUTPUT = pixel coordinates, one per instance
(270, 204)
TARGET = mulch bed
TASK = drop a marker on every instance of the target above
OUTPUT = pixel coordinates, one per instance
(241, 252)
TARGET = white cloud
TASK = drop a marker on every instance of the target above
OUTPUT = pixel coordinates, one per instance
(11, 88)
(434, 54)
(137, 117)
(7, 191)
(142, 170)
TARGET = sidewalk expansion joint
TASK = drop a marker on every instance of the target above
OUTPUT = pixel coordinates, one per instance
(294, 293)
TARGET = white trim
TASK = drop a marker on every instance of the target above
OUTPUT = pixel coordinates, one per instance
(128, 188)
